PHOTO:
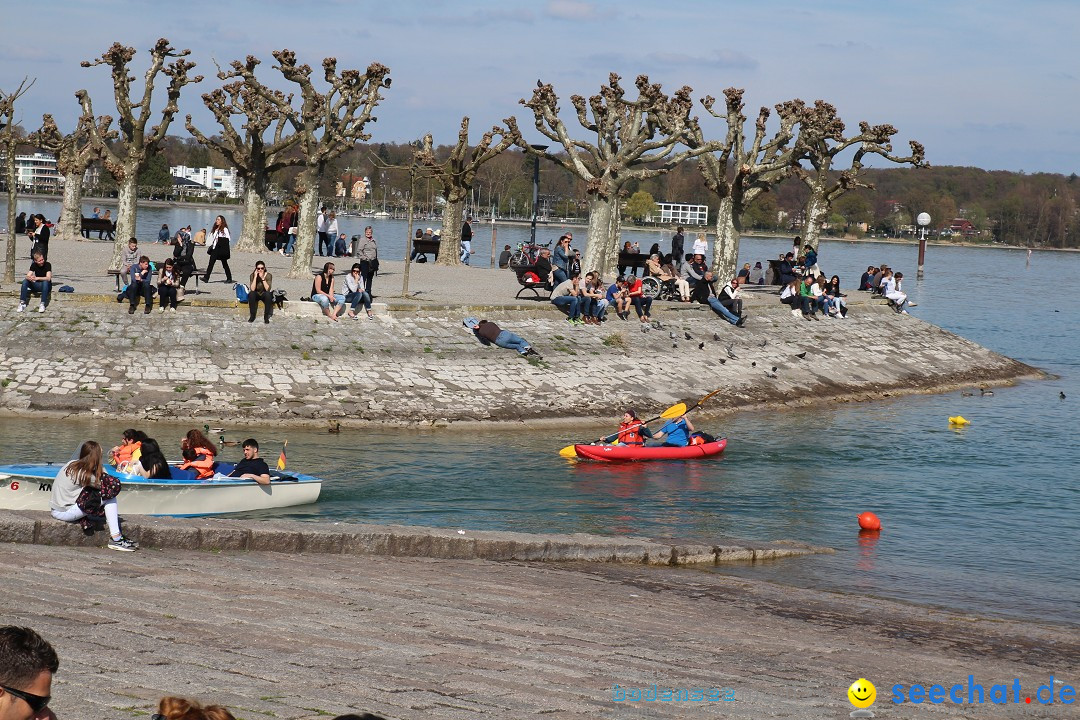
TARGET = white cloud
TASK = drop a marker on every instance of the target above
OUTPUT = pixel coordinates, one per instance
(575, 10)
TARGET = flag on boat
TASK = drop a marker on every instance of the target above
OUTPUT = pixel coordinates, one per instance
(281, 457)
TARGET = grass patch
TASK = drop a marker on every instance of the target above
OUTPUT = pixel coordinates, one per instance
(305, 355)
(5, 382)
(617, 341)
(427, 349)
(564, 349)
(294, 346)
(180, 389)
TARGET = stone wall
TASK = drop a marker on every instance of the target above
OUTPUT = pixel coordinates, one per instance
(413, 368)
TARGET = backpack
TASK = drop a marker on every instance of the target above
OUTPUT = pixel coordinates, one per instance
(241, 292)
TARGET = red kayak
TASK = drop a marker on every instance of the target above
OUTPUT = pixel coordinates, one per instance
(630, 453)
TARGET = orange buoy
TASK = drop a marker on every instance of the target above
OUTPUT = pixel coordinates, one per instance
(869, 521)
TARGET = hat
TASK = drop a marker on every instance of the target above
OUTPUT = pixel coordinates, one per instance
(429, 230)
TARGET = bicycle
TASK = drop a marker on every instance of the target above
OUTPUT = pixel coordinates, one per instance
(527, 254)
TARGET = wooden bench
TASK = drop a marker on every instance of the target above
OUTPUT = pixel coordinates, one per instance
(425, 247)
(631, 260)
(526, 283)
(102, 225)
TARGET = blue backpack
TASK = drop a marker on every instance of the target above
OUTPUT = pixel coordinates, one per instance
(241, 292)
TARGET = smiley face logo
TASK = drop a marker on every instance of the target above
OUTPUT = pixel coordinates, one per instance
(862, 693)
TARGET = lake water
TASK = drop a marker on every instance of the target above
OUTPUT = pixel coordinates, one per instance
(983, 519)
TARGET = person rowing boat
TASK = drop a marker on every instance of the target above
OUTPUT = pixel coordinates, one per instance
(631, 430)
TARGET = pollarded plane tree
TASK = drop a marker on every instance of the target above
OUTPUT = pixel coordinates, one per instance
(457, 174)
(635, 140)
(75, 153)
(8, 102)
(328, 125)
(737, 172)
(125, 160)
(821, 139)
(255, 156)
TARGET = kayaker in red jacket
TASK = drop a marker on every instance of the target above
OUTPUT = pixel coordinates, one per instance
(631, 430)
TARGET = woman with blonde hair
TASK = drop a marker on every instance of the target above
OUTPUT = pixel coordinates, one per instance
(701, 245)
(83, 492)
(177, 708)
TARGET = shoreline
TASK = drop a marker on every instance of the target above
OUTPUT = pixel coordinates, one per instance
(287, 635)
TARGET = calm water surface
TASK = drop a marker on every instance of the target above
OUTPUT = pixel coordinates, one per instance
(983, 519)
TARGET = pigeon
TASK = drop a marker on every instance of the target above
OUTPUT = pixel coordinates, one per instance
(716, 337)
(671, 334)
(656, 324)
(770, 374)
(1061, 395)
(801, 355)
(774, 368)
(674, 344)
(731, 353)
(688, 335)
(645, 328)
(722, 360)
(701, 346)
(753, 363)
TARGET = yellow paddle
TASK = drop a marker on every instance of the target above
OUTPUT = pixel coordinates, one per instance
(672, 412)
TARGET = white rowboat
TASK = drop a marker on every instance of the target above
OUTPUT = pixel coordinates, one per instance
(29, 487)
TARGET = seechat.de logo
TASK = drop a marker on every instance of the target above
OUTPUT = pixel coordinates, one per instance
(862, 695)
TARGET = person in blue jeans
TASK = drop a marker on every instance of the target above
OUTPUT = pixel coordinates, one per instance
(567, 296)
(490, 333)
(706, 284)
(560, 260)
(676, 433)
(355, 292)
(38, 279)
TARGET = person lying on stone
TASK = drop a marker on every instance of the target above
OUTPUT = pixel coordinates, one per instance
(489, 332)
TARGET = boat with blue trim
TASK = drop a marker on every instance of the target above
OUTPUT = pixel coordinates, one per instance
(29, 487)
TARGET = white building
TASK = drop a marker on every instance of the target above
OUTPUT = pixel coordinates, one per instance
(36, 173)
(682, 214)
(217, 180)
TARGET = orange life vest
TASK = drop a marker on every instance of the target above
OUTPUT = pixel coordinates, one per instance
(124, 452)
(628, 436)
(203, 464)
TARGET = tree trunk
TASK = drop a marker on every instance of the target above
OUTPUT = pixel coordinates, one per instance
(815, 213)
(125, 215)
(309, 213)
(12, 199)
(70, 225)
(602, 240)
(726, 247)
(253, 231)
(450, 240)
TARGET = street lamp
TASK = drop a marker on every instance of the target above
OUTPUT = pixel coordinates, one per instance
(536, 190)
(923, 220)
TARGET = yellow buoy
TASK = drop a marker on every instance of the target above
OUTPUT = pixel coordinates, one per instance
(959, 420)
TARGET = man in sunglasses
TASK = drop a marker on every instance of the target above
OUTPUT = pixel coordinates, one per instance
(27, 665)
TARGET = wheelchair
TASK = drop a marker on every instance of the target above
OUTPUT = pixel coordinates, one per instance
(658, 289)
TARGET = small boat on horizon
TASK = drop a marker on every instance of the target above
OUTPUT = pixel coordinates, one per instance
(29, 487)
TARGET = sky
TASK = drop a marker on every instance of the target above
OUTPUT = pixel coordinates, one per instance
(985, 83)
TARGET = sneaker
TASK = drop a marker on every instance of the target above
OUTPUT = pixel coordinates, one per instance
(148, 310)
(370, 316)
(123, 545)
(741, 322)
(131, 310)
(172, 309)
(795, 313)
(163, 309)
(22, 307)
(41, 308)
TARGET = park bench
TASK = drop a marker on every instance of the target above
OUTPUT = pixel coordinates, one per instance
(424, 247)
(524, 279)
(631, 260)
(100, 225)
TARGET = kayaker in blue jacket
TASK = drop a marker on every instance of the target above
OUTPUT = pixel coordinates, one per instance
(676, 433)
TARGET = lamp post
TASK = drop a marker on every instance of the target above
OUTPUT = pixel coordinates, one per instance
(536, 190)
(923, 220)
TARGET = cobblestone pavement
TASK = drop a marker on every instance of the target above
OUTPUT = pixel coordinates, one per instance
(307, 636)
